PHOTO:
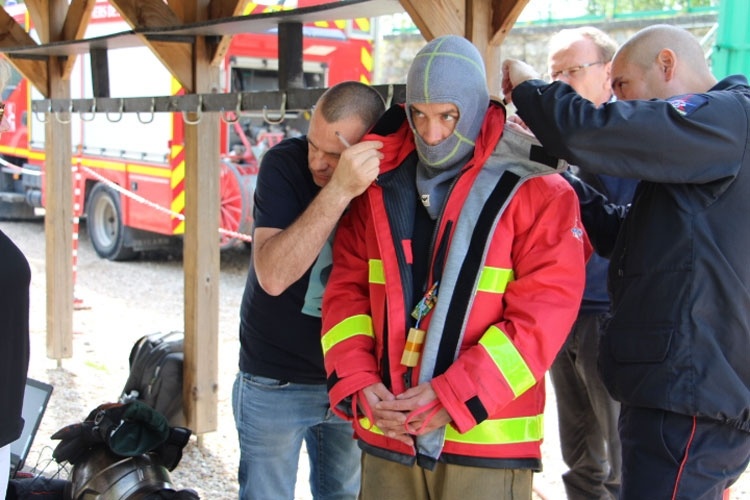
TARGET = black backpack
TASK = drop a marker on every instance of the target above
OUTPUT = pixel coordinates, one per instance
(155, 377)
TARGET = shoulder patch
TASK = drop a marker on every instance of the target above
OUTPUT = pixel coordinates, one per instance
(687, 104)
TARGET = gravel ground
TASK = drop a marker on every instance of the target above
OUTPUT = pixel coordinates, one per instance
(127, 300)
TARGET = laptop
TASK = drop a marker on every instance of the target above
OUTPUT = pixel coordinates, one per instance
(35, 399)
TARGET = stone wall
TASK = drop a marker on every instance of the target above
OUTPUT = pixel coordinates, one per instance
(393, 54)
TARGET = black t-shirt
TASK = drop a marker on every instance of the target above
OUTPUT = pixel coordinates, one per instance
(280, 336)
(15, 277)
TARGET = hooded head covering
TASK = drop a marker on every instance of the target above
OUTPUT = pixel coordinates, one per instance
(449, 69)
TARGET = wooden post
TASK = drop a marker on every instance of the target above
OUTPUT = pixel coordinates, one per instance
(58, 220)
(201, 254)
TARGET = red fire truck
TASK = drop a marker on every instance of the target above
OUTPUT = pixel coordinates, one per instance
(129, 167)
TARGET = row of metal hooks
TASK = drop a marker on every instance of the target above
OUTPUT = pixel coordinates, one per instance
(146, 108)
(89, 115)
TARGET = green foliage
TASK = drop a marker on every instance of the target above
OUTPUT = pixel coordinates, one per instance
(614, 8)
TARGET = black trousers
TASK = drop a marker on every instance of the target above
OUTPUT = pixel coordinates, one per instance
(587, 415)
(671, 456)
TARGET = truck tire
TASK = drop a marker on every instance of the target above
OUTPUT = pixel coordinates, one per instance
(104, 222)
(236, 188)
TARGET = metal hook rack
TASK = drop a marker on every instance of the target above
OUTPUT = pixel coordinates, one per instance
(282, 113)
(146, 122)
(262, 102)
(237, 112)
(198, 111)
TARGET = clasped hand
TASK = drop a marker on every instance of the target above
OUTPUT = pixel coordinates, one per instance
(408, 414)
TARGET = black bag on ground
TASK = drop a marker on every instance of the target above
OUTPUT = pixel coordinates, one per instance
(155, 378)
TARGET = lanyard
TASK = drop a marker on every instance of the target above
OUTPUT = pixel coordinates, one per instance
(416, 336)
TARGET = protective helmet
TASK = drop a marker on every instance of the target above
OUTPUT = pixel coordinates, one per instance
(102, 475)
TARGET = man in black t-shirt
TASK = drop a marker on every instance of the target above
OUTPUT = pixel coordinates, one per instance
(280, 397)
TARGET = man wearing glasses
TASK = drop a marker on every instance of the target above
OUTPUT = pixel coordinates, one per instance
(587, 414)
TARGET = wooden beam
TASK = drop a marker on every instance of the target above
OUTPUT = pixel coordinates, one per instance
(201, 256)
(74, 27)
(201, 253)
(13, 34)
(176, 57)
(436, 18)
(39, 14)
(504, 16)
(488, 23)
(58, 219)
(479, 30)
(58, 225)
(179, 8)
(485, 23)
(219, 9)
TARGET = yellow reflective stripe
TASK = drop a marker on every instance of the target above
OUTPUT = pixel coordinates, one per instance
(355, 325)
(369, 426)
(508, 360)
(494, 279)
(502, 431)
(376, 272)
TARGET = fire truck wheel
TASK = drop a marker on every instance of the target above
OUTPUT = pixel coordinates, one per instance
(104, 221)
(236, 190)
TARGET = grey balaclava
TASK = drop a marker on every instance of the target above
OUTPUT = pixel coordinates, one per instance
(449, 69)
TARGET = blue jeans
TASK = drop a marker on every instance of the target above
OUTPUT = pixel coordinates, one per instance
(272, 419)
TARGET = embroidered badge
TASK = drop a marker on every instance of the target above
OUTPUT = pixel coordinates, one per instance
(577, 231)
(686, 104)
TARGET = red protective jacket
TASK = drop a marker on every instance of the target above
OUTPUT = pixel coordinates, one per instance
(511, 277)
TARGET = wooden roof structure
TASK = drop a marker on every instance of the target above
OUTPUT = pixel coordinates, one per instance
(190, 38)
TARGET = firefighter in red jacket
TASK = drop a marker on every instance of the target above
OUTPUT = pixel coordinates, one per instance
(456, 278)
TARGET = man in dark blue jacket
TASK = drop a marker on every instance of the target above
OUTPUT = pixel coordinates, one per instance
(675, 351)
(587, 414)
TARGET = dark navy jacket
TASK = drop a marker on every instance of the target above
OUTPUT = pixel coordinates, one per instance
(680, 270)
(618, 191)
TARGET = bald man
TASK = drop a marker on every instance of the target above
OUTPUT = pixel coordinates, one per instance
(586, 413)
(675, 351)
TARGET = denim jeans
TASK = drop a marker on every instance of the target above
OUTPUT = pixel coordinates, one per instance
(272, 419)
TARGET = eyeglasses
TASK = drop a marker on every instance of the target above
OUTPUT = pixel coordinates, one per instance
(573, 71)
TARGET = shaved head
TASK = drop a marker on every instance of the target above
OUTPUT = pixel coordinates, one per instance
(643, 48)
(659, 62)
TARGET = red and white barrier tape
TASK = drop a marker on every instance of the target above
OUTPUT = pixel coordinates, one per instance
(129, 194)
(141, 199)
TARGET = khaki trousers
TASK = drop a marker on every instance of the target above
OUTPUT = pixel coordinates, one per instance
(386, 480)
